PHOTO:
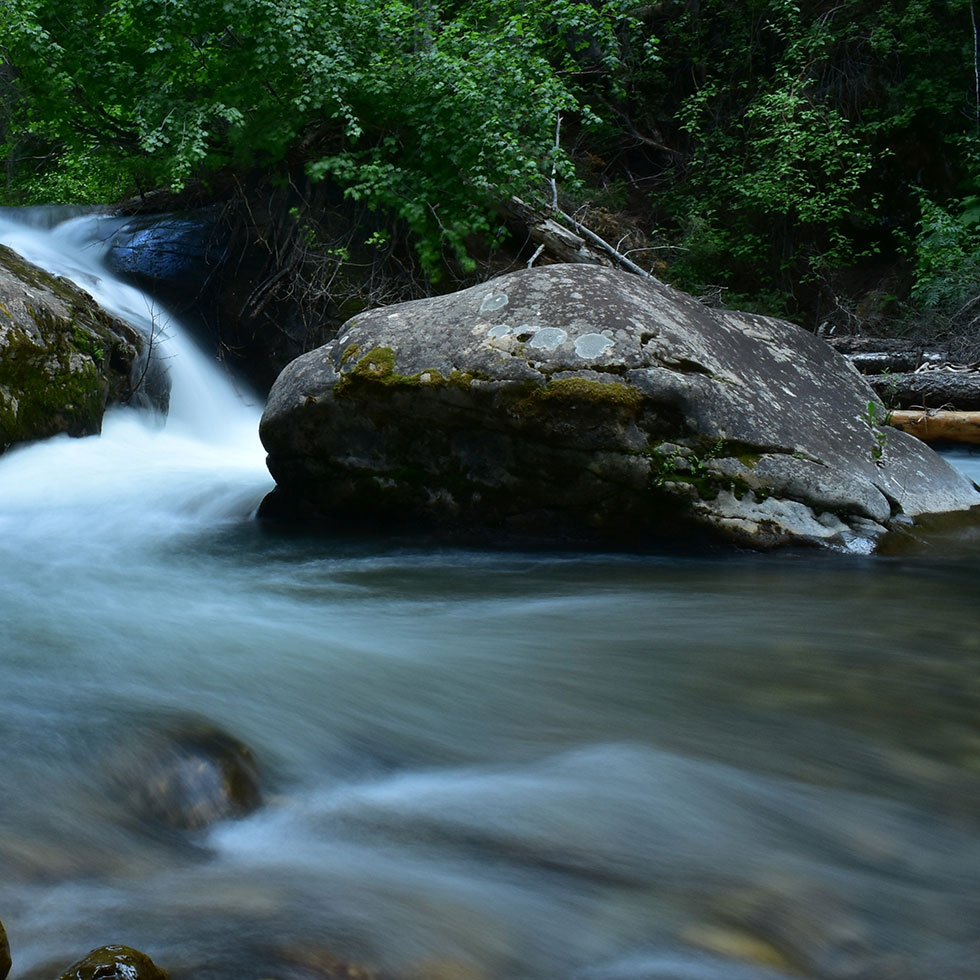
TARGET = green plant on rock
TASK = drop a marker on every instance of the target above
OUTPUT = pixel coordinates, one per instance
(877, 417)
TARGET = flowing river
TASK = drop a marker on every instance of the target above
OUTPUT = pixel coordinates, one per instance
(476, 765)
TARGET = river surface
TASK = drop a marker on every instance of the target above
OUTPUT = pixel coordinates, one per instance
(477, 765)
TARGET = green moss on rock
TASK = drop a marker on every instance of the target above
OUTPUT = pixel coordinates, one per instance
(62, 358)
(350, 352)
(588, 391)
(114, 963)
(378, 364)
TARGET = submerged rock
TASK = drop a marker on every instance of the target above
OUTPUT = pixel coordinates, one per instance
(188, 778)
(583, 402)
(63, 359)
(114, 963)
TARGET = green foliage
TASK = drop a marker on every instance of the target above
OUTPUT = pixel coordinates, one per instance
(946, 253)
(428, 110)
(876, 417)
(807, 129)
(777, 142)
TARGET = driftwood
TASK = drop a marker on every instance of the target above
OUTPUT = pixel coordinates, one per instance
(564, 239)
(938, 426)
(888, 362)
(560, 243)
(852, 344)
(881, 355)
(929, 390)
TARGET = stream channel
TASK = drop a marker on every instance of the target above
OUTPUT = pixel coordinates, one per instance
(477, 765)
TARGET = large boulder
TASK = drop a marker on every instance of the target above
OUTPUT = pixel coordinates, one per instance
(63, 359)
(575, 400)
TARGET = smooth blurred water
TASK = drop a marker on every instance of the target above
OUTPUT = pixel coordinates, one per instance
(477, 764)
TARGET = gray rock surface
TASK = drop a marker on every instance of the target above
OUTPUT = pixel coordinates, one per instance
(63, 359)
(574, 400)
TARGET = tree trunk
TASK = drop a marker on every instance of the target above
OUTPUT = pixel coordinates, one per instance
(559, 243)
(939, 426)
(929, 390)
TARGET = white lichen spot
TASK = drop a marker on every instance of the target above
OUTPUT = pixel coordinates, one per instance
(425, 378)
(592, 345)
(344, 339)
(500, 330)
(493, 301)
(548, 338)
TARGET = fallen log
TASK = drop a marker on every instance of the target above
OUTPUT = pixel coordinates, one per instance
(881, 355)
(859, 344)
(938, 426)
(929, 389)
(560, 243)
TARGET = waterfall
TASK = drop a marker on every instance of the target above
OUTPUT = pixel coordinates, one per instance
(204, 464)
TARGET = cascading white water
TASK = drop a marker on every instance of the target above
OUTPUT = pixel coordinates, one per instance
(204, 463)
(496, 766)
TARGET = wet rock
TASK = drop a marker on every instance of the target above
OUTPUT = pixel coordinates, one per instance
(114, 963)
(63, 360)
(4, 953)
(170, 255)
(737, 944)
(573, 401)
(189, 778)
(227, 276)
(813, 928)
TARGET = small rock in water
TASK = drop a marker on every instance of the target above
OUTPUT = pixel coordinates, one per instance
(4, 953)
(114, 963)
(191, 777)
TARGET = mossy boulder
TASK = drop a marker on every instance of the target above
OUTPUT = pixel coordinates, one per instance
(580, 402)
(5, 962)
(114, 962)
(63, 359)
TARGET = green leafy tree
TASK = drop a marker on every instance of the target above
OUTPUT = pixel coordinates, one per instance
(803, 133)
(430, 110)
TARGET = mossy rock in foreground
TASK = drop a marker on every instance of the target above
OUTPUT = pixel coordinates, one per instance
(63, 359)
(4, 953)
(114, 963)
